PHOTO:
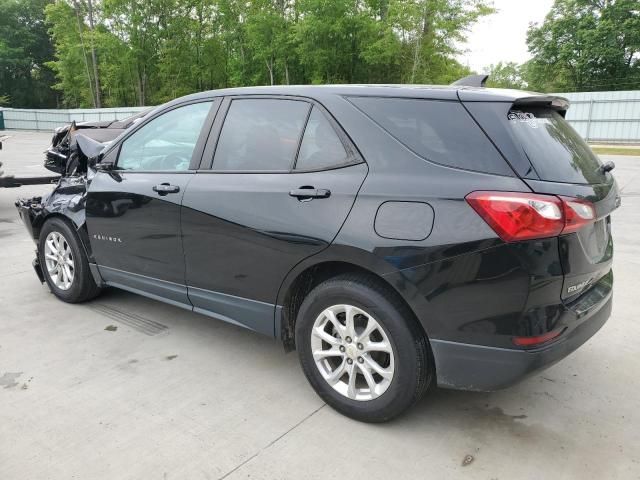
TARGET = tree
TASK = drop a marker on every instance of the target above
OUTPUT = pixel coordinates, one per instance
(586, 45)
(268, 36)
(506, 75)
(70, 65)
(139, 25)
(124, 52)
(431, 31)
(330, 38)
(94, 56)
(25, 48)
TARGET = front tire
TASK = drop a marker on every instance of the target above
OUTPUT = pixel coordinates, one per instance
(361, 349)
(64, 263)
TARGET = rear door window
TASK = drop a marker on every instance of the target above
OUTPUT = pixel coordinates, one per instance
(439, 131)
(556, 151)
(260, 135)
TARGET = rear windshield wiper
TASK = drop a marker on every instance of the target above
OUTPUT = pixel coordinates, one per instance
(607, 167)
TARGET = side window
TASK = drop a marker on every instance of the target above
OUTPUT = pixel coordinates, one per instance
(166, 142)
(321, 147)
(439, 131)
(260, 134)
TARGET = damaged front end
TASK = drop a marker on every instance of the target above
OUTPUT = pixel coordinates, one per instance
(67, 200)
(65, 157)
(30, 211)
(75, 150)
(60, 158)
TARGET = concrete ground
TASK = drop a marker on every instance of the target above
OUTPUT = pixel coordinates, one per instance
(128, 388)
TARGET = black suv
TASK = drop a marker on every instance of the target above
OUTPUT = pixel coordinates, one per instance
(393, 235)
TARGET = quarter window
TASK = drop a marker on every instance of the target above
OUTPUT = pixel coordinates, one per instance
(166, 142)
(321, 147)
(260, 134)
(439, 131)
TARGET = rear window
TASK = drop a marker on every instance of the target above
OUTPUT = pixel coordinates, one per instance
(439, 131)
(554, 148)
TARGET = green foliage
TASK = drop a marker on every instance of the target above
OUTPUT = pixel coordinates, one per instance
(507, 75)
(70, 64)
(25, 48)
(585, 45)
(149, 52)
(83, 53)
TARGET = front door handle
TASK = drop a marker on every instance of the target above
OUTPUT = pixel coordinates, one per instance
(166, 188)
(307, 193)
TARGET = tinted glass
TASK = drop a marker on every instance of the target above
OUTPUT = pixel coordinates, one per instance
(554, 148)
(321, 147)
(260, 134)
(441, 132)
(167, 142)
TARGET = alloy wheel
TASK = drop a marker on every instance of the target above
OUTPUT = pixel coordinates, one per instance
(352, 352)
(59, 260)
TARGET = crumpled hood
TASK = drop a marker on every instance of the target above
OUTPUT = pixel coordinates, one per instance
(88, 146)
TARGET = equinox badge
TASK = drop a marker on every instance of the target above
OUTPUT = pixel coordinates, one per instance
(99, 236)
(579, 286)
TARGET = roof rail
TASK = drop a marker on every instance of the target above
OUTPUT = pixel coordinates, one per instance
(471, 81)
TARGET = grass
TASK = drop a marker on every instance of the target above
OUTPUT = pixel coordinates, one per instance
(635, 151)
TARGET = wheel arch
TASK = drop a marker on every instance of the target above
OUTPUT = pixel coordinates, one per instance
(307, 275)
(80, 229)
(74, 234)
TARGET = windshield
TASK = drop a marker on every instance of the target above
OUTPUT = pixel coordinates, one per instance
(554, 148)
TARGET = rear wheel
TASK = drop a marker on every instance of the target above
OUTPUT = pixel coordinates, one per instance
(64, 263)
(361, 350)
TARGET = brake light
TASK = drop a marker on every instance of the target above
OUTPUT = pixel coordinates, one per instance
(516, 216)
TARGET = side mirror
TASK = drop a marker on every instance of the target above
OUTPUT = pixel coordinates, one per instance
(105, 166)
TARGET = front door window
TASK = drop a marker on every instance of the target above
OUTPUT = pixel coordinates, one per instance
(167, 142)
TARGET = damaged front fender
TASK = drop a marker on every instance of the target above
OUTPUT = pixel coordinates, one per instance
(67, 200)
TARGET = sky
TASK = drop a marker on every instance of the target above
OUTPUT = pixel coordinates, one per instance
(503, 35)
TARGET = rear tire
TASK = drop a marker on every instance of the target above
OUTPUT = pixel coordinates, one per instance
(384, 350)
(64, 263)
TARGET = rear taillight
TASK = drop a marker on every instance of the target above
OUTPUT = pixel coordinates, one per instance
(577, 214)
(516, 216)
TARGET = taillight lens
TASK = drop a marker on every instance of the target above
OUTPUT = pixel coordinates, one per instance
(577, 214)
(516, 216)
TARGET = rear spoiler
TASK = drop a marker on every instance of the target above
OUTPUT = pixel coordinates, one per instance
(559, 104)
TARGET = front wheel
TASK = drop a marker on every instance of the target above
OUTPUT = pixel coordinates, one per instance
(64, 263)
(361, 350)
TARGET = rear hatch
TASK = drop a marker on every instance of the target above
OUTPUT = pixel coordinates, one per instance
(552, 158)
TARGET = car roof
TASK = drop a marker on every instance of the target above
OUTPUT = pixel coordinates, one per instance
(436, 92)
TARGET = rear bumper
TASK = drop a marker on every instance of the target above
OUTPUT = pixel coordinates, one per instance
(482, 368)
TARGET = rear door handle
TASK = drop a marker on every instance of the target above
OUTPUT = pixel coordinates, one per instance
(166, 188)
(307, 193)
